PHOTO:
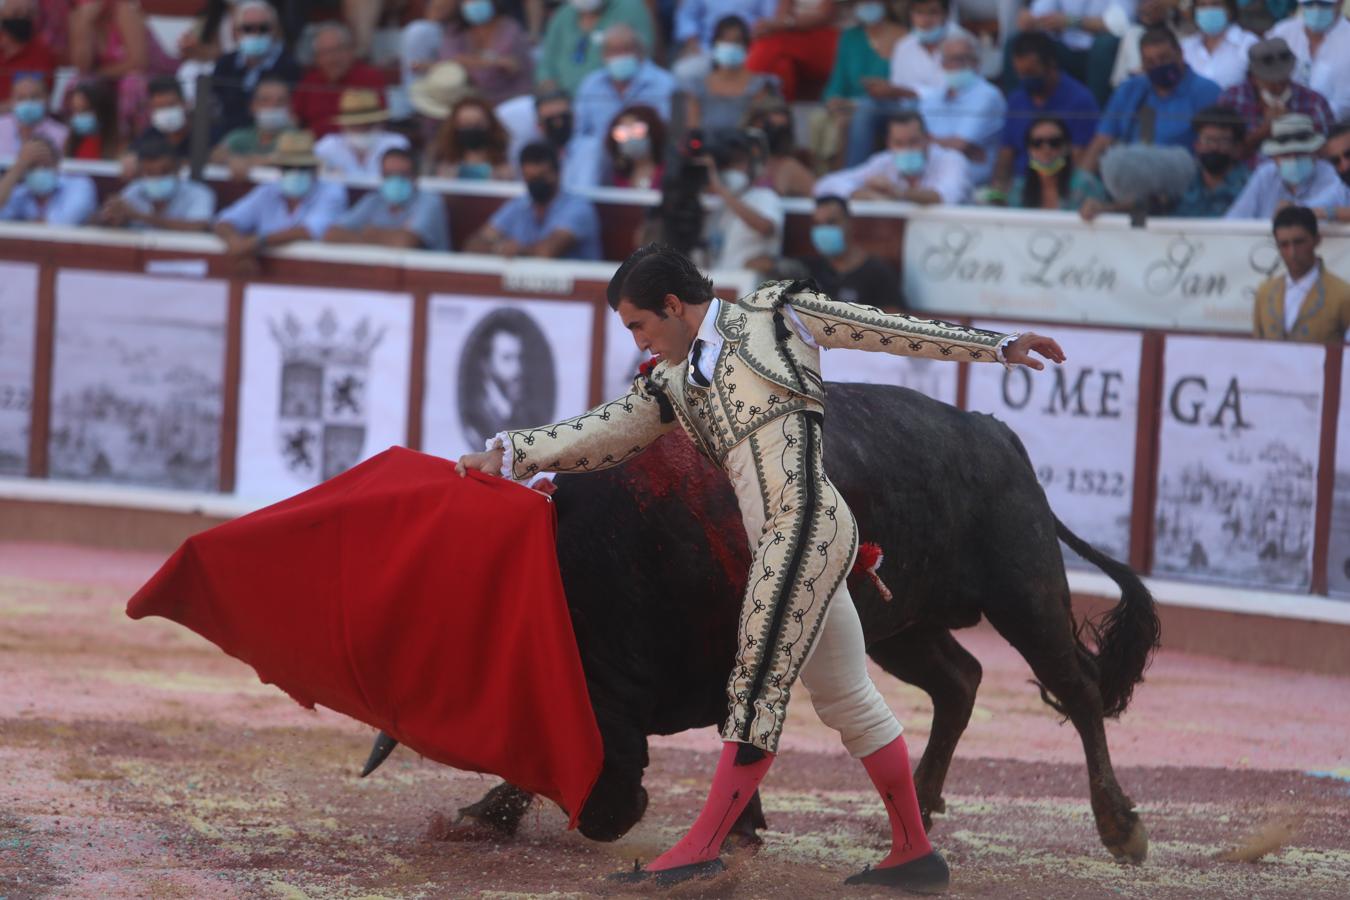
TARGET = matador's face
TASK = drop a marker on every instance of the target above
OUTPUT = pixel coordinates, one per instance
(665, 335)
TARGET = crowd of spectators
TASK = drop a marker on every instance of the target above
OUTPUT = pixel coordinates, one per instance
(721, 107)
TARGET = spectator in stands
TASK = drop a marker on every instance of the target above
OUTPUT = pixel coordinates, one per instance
(781, 169)
(1294, 174)
(421, 40)
(967, 114)
(1218, 49)
(1307, 303)
(1219, 134)
(1149, 14)
(471, 144)
(916, 60)
(912, 168)
(1320, 39)
(35, 189)
(160, 197)
(860, 81)
(546, 116)
(746, 232)
(697, 27)
(1337, 150)
(1156, 107)
(545, 221)
(1044, 91)
(1051, 180)
(796, 44)
(237, 74)
(170, 116)
(253, 145)
(843, 269)
(636, 146)
(572, 42)
(94, 131)
(356, 150)
(1268, 93)
(1257, 16)
(398, 214)
(22, 49)
(27, 117)
(336, 71)
(296, 207)
(1087, 47)
(111, 39)
(492, 47)
(718, 102)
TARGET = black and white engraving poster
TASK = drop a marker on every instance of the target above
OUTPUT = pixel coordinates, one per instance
(18, 323)
(137, 380)
(324, 384)
(1078, 423)
(1338, 550)
(1237, 465)
(494, 364)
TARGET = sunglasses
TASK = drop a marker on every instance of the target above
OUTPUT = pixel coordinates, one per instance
(633, 131)
(259, 28)
(1296, 138)
(1054, 143)
(1340, 157)
(1270, 59)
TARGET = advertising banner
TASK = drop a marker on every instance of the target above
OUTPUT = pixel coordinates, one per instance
(18, 326)
(1338, 549)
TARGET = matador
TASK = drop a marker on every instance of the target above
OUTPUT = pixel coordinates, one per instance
(743, 380)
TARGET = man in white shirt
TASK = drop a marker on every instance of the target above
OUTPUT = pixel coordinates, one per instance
(356, 150)
(967, 113)
(1320, 38)
(747, 232)
(912, 168)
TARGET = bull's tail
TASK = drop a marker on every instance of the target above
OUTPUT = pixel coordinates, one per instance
(1126, 636)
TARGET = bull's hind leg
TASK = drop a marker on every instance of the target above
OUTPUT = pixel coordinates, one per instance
(934, 661)
(1046, 641)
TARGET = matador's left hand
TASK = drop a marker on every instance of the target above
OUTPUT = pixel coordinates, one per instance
(1019, 351)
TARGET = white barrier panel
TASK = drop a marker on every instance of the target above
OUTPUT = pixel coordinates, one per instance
(1338, 549)
(1078, 422)
(1237, 464)
(138, 380)
(323, 384)
(18, 329)
(1198, 275)
(936, 378)
(494, 363)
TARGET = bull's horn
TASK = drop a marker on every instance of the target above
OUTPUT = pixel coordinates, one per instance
(384, 745)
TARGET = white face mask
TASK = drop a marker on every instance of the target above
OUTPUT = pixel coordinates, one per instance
(169, 120)
(736, 181)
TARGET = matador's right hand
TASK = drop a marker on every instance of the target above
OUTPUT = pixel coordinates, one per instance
(489, 461)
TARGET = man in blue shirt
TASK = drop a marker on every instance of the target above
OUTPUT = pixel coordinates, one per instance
(159, 197)
(544, 221)
(36, 190)
(1157, 106)
(296, 207)
(396, 215)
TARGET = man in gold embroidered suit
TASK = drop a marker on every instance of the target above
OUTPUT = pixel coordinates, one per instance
(743, 380)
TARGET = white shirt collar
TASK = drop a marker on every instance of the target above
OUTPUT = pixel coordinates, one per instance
(707, 331)
(1303, 284)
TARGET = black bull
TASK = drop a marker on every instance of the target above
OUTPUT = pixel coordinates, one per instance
(654, 558)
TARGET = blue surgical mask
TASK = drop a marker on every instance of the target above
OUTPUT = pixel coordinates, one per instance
(635, 148)
(40, 181)
(255, 45)
(1212, 20)
(622, 68)
(396, 189)
(728, 54)
(909, 162)
(870, 13)
(960, 79)
(159, 188)
(296, 183)
(930, 36)
(1319, 17)
(30, 112)
(476, 171)
(476, 12)
(84, 123)
(828, 239)
(1296, 170)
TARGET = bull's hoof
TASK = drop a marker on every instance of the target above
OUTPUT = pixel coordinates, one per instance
(1134, 849)
(925, 875)
(929, 809)
(499, 812)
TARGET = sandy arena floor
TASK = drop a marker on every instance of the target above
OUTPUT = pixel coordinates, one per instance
(137, 760)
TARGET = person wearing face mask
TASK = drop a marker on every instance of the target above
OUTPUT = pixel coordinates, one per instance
(298, 206)
(747, 231)
(841, 268)
(1219, 134)
(1156, 107)
(159, 197)
(253, 145)
(22, 49)
(92, 117)
(1294, 174)
(112, 40)
(398, 214)
(718, 102)
(857, 94)
(545, 221)
(27, 118)
(34, 189)
(781, 169)
(1319, 37)
(1337, 152)
(967, 113)
(1051, 181)
(636, 147)
(911, 168)
(493, 48)
(1218, 49)
(170, 116)
(1087, 47)
(571, 48)
(1306, 303)
(356, 150)
(236, 75)
(470, 145)
(695, 31)
(916, 61)
(1269, 93)
(545, 117)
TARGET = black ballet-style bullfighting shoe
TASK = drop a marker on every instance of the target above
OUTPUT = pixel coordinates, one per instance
(669, 877)
(925, 875)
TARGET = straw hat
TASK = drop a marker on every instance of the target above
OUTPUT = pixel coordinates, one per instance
(1292, 133)
(295, 150)
(360, 106)
(443, 85)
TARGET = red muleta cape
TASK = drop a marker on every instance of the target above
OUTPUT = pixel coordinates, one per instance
(424, 604)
